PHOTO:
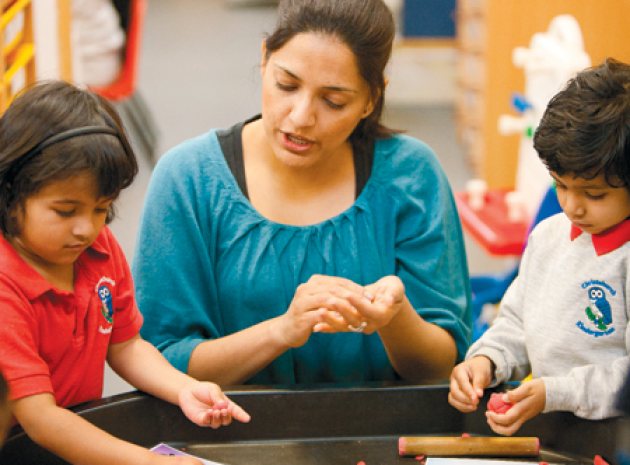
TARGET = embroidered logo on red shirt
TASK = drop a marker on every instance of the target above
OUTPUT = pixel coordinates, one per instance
(104, 292)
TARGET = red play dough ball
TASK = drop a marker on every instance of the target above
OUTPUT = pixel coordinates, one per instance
(497, 404)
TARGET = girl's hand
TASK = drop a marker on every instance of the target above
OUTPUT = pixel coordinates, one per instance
(205, 404)
(468, 380)
(174, 460)
(322, 304)
(528, 399)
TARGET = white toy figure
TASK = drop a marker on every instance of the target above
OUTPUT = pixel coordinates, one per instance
(553, 57)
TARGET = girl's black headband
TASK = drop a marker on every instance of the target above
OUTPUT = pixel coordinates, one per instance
(19, 163)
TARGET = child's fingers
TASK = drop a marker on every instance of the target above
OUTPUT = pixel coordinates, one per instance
(504, 423)
(503, 430)
(460, 400)
(207, 417)
(208, 393)
(215, 420)
(464, 407)
(238, 413)
(462, 387)
(204, 418)
(478, 384)
(457, 393)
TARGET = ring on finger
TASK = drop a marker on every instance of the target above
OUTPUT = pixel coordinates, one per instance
(358, 329)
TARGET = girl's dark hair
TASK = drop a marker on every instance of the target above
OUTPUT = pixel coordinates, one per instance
(585, 130)
(366, 27)
(48, 109)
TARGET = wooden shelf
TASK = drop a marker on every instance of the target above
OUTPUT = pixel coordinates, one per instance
(487, 33)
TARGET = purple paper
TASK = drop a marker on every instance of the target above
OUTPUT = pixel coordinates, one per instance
(165, 449)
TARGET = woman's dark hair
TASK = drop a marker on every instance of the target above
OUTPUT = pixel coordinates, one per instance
(366, 27)
(39, 114)
(585, 130)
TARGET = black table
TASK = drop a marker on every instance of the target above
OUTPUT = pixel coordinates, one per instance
(322, 425)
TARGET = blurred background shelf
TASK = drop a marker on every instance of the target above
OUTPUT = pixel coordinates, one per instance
(487, 32)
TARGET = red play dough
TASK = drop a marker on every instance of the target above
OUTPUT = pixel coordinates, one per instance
(497, 404)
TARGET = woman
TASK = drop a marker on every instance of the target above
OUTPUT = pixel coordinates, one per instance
(310, 243)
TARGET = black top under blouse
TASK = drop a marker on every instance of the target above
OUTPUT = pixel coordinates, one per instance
(232, 146)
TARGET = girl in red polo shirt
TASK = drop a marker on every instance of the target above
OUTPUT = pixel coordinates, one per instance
(66, 292)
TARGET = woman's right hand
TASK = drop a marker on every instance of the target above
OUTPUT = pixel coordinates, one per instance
(468, 380)
(322, 303)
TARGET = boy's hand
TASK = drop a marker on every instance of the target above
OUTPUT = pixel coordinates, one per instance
(528, 399)
(468, 380)
(205, 404)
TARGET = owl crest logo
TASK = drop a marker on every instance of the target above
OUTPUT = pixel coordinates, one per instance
(104, 292)
(598, 312)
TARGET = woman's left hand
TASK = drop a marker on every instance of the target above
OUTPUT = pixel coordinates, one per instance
(378, 304)
(205, 404)
(528, 399)
(387, 297)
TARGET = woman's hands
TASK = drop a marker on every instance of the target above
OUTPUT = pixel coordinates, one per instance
(330, 304)
(323, 303)
(205, 404)
(387, 296)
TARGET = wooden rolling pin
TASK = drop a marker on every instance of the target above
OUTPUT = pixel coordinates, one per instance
(475, 446)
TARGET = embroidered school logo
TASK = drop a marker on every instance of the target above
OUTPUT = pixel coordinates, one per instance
(598, 313)
(104, 292)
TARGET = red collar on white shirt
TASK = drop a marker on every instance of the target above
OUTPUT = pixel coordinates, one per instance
(609, 240)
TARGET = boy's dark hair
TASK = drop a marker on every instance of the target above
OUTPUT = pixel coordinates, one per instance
(585, 130)
(39, 114)
(366, 26)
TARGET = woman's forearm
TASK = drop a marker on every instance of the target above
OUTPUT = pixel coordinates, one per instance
(234, 359)
(417, 349)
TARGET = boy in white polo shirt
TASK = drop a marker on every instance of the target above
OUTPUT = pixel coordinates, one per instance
(565, 317)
